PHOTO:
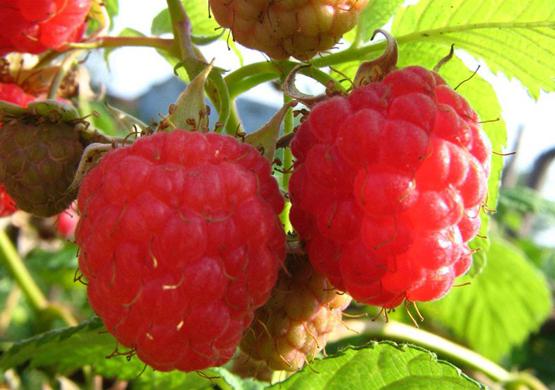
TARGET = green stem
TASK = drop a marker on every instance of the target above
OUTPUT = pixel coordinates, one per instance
(194, 62)
(115, 42)
(249, 83)
(453, 352)
(15, 265)
(233, 125)
(181, 29)
(64, 68)
(251, 75)
(36, 298)
(288, 126)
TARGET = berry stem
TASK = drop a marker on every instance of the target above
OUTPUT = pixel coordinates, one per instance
(249, 76)
(67, 63)
(115, 42)
(288, 126)
(36, 298)
(181, 30)
(445, 348)
(194, 62)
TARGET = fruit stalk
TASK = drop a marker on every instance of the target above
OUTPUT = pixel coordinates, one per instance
(166, 44)
(194, 63)
(453, 352)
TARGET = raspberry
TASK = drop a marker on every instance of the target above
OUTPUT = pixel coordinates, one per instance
(66, 223)
(298, 28)
(34, 26)
(387, 187)
(38, 161)
(7, 205)
(180, 243)
(292, 328)
(11, 93)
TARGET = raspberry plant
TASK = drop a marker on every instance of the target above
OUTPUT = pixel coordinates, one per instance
(352, 241)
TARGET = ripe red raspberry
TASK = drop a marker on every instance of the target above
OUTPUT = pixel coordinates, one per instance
(180, 243)
(7, 205)
(293, 327)
(66, 222)
(387, 187)
(34, 26)
(11, 93)
(298, 28)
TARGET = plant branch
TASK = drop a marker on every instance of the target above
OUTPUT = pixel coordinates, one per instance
(453, 352)
(181, 30)
(193, 61)
(115, 42)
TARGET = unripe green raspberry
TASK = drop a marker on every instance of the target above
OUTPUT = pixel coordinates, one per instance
(284, 28)
(38, 160)
(293, 326)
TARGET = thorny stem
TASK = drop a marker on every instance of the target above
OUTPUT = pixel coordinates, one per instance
(453, 352)
(36, 298)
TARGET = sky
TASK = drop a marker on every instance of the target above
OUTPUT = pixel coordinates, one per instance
(132, 71)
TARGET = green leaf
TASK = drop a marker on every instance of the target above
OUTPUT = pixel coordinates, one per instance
(527, 200)
(189, 111)
(204, 29)
(206, 379)
(64, 350)
(501, 307)
(112, 7)
(383, 365)
(376, 14)
(516, 37)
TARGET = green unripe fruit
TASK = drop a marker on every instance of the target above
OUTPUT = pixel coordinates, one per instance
(38, 160)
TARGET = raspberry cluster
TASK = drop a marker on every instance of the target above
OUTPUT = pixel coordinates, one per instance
(298, 28)
(34, 26)
(180, 244)
(388, 185)
(293, 327)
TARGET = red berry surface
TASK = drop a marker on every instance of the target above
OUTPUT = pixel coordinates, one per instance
(298, 28)
(66, 222)
(11, 93)
(387, 187)
(180, 244)
(7, 205)
(34, 26)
